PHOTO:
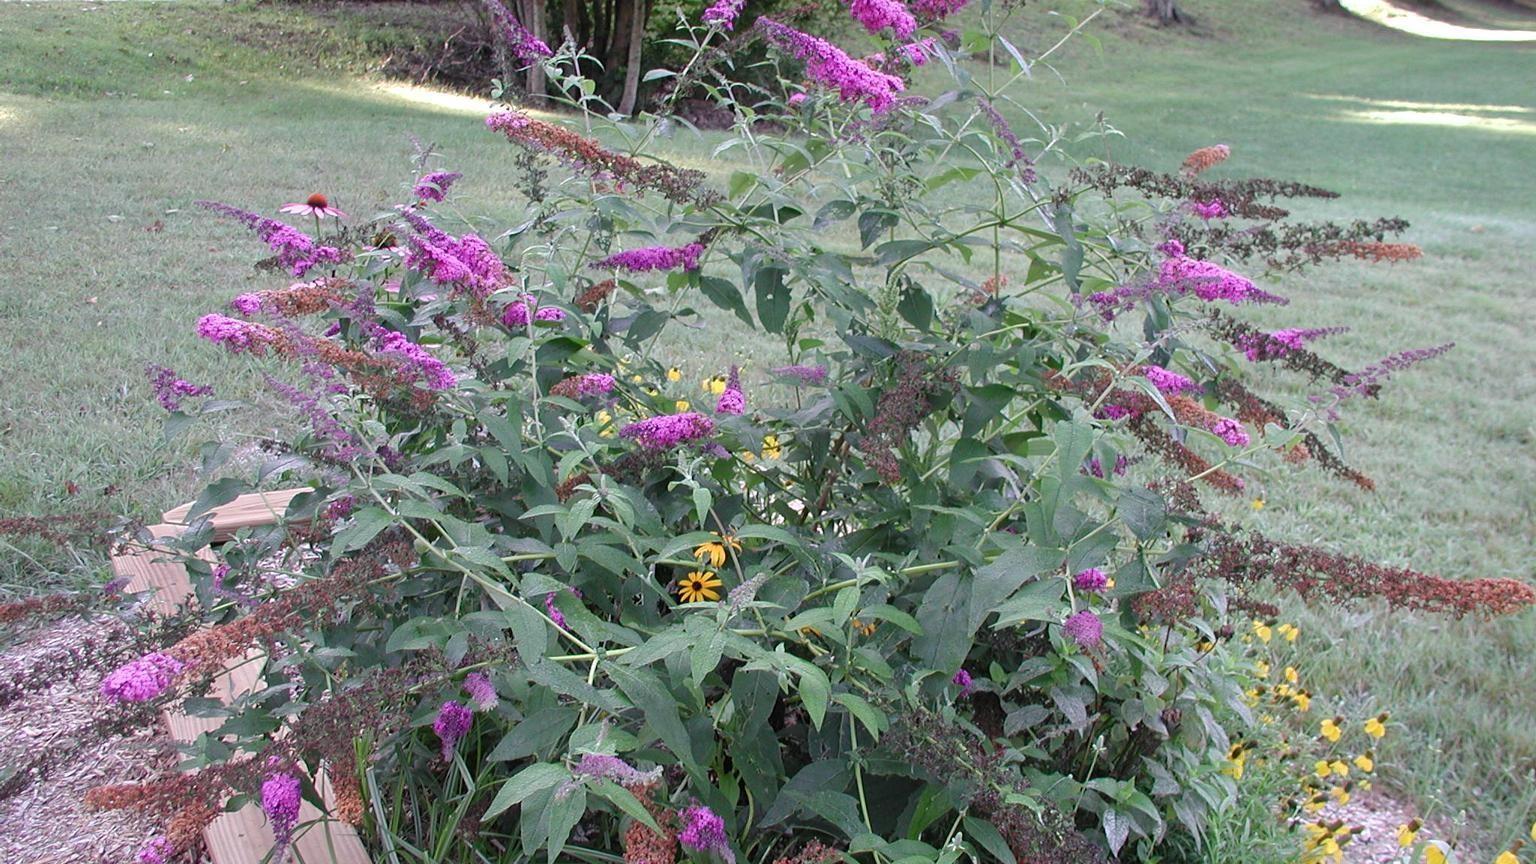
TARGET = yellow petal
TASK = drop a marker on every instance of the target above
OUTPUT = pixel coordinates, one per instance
(1434, 855)
(1506, 857)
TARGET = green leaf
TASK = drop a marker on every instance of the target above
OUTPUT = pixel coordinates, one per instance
(915, 306)
(996, 582)
(866, 713)
(535, 778)
(772, 298)
(646, 692)
(727, 296)
(563, 814)
(989, 839)
(537, 733)
(872, 223)
(1143, 511)
(832, 211)
(815, 689)
(945, 617)
(1038, 601)
(366, 525)
(217, 494)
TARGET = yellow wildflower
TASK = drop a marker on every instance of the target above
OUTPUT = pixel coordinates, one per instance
(714, 386)
(712, 552)
(1257, 505)
(1291, 675)
(1288, 632)
(1340, 794)
(1323, 769)
(1339, 768)
(771, 447)
(605, 424)
(1365, 763)
(1261, 669)
(1434, 855)
(1330, 729)
(1506, 857)
(637, 378)
(866, 628)
(1406, 833)
(1303, 701)
(674, 374)
(1263, 631)
(682, 405)
(1376, 727)
(698, 587)
(748, 456)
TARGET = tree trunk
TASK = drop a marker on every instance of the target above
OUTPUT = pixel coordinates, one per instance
(1165, 11)
(637, 18)
(532, 15)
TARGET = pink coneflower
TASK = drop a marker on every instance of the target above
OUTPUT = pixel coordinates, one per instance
(316, 205)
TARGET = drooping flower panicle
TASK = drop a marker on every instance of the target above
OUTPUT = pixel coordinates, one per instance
(666, 431)
(294, 249)
(830, 66)
(143, 679)
(703, 831)
(655, 258)
(723, 13)
(452, 724)
(433, 187)
(878, 15)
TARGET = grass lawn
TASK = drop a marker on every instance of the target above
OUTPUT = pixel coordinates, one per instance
(115, 117)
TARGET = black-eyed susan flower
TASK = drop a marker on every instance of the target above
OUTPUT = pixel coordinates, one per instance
(698, 587)
(1263, 631)
(1338, 767)
(1257, 504)
(713, 386)
(682, 405)
(1291, 675)
(712, 553)
(1376, 727)
(1434, 854)
(1261, 669)
(1507, 857)
(1288, 632)
(1366, 762)
(1331, 728)
(1303, 700)
(1322, 769)
(674, 375)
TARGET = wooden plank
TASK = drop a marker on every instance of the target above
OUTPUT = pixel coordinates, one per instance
(242, 836)
(246, 511)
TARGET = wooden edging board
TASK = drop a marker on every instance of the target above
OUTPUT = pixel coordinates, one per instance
(243, 836)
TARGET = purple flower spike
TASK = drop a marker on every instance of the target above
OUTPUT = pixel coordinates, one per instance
(723, 13)
(1167, 381)
(482, 693)
(963, 680)
(451, 725)
(814, 376)
(655, 258)
(280, 797)
(1084, 628)
(669, 430)
(1230, 431)
(829, 66)
(157, 851)
(143, 679)
(434, 187)
(704, 831)
(613, 768)
(1092, 579)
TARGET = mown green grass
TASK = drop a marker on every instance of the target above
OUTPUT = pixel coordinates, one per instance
(115, 117)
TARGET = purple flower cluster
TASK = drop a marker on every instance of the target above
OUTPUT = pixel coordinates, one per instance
(655, 258)
(157, 851)
(171, 389)
(723, 13)
(1365, 381)
(1212, 209)
(586, 384)
(1273, 346)
(451, 725)
(141, 680)
(280, 797)
(963, 680)
(933, 10)
(1230, 431)
(604, 767)
(553, 611)
(232, 333)
(433, 371)
(829, 65)
(917, 52)
(1180, 274)
(525, 309)
(704, 831)
(338, 442)
(246, 304)
(522, 43)
(877, 15)
(465, 261)
(294, 249)
(482, 693)
(1000, 127)
(1084, 628)
(340, 508)
(814, 376)
(1167, 381)
(732, 401)
(666, 431)
(433, 187)
(1092, 579)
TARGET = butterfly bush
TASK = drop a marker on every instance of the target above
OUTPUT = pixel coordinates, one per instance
(953, 584)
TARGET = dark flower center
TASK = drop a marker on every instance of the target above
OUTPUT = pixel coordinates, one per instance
(317, 200)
